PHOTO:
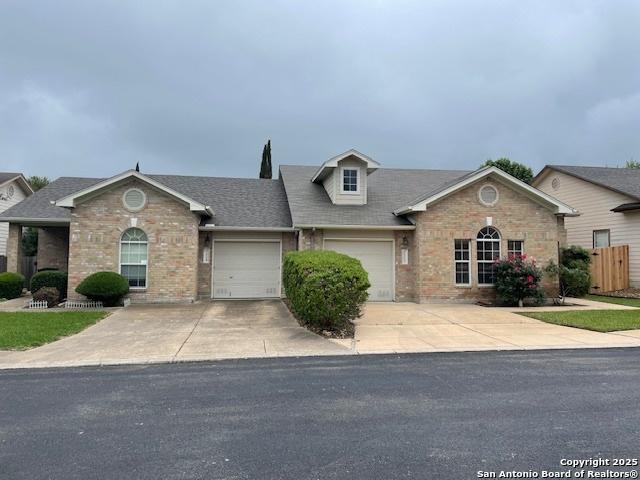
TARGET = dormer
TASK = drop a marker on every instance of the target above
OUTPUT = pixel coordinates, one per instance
(344, 177)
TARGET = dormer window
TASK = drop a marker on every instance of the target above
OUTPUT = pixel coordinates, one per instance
(350, 180)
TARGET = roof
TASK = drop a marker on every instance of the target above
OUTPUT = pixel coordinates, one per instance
(236, 202)
(621, 180)
(8, 176)
(387, 190)
(332, 163)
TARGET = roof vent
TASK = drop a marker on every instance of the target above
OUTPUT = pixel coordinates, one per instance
(134, 199)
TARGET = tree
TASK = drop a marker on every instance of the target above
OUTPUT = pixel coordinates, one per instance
(515, 169)
(632, 164)
(265, 166)
(37, 182)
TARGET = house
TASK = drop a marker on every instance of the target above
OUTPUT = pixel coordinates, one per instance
(13, 189)
(609, 202)
(422, 235)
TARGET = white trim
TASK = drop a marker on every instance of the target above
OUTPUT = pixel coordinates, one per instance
(70, 201)
(129, 207)
(25, 183)
(333, 162)
(341, 179)
(37, 221)
(245, 240)
(369, 239)
(469, 262)
(146, 279)
(478, 261)
(213, 228)
(495, 189)
(359, 227)
(421, 206)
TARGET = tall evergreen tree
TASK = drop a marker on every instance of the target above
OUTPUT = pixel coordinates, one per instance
(265, 166)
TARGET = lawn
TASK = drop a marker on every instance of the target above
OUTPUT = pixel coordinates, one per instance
(631, 302)
(597, 320)
(20, 330)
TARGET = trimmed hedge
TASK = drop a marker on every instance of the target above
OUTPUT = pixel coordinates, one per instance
(106, 287)
(50, 278)
(325, 289)
(11, 285)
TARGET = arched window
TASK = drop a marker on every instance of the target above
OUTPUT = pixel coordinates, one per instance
(488, 248)
(133, 257)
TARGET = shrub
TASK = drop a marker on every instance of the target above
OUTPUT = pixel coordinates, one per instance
(50, 278)
(326, 289)
(106, 287)
(11, 285)
(49, 294)
(573, 272)
(517, 279)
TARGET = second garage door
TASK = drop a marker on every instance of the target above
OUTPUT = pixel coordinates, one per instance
(377, 260)
(246, 269)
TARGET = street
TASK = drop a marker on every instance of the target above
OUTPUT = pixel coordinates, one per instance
(436, 416)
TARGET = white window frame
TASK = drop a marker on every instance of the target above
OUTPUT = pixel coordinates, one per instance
(146, 265)
(456, 262)
(350, 192)
(513, 252)
(608, 231)
(478, 261)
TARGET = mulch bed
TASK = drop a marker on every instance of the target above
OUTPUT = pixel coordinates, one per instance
(626, 293)
(348, 332)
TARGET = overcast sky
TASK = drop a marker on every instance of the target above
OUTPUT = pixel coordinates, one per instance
(89, 88)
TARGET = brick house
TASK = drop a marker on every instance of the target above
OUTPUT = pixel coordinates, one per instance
(422, 235)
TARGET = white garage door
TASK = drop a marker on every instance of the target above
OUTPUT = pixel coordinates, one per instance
(246, 269)
(377, 260)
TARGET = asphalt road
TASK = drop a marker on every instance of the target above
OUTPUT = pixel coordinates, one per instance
(433, 416)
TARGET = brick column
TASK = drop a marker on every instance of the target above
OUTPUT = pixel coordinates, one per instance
(14, 248)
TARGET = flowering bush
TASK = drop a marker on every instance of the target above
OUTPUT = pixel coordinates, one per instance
(517, 279)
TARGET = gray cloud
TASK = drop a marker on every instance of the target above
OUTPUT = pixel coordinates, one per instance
(91, 88)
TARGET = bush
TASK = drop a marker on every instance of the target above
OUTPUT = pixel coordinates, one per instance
(518, 279)
(326, 289)
(11, 285)
(573, 273)
(49, 294)
(106, 287)
(50, 278)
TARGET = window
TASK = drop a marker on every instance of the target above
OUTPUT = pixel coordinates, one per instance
(350, 180)
(133, 257)
(488, 195)
(462, 255)
(488, 246)
(515, 248)
(601, 238)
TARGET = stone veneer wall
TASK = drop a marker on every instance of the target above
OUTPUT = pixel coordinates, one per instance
(53, 248)
(14, 248)
(172, 229)
(461, 216)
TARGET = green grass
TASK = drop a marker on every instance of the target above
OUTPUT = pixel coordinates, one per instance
(631, 302)
(596, 320)
(20, 330)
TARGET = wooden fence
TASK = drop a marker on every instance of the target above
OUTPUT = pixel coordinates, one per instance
(28, 267)
(3, 263)
(609, 269)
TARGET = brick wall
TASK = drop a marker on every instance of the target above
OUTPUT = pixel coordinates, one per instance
(204, 268)
(97, 225)
(14, 248)
(405, 274)
(53, 248)
(461, 216)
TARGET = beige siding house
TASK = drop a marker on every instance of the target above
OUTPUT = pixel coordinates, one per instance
(422, 235)
(13, 189)
(608, 200)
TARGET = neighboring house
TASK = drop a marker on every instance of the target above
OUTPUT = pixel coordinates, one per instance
(13, 189)
(608, 200)
(423, 235)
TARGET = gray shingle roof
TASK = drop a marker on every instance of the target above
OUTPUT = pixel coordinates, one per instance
(623, 180)
(237, 202)
(387, 190)
(6, 176)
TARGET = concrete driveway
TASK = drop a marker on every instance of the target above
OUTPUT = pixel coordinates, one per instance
(410, 327)
(171, 333)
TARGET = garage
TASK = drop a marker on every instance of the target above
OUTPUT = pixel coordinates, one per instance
(246, 269)
(377, 259)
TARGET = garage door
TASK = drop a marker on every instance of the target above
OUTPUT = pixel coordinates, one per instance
(377, 260)
(246, 269)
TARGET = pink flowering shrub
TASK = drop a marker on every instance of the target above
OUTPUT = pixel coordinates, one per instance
(517, 279)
